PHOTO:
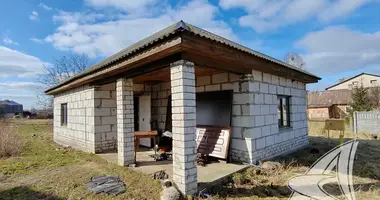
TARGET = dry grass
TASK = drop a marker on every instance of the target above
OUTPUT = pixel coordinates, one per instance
(10, 143)
(42, 171)
(272, 184)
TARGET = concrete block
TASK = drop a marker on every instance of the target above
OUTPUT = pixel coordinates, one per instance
(102, 129)
(272, 89)
(264, 88)
(282, 81)
(269, 140)
(256, 132)
(219, 78)
(228, 86)
(233, 77)
(259, 98)
(264, 109)
(289, 83)
(274, 128)
(236, 110)
(243, 121)
(209, 88)
(268, 119)
(275, 80)
(257, 75)
(243, 98)
(259, 120)
(268, 99)
(260, 143)
(102, 111)
(265, 131)
(203, 80)
(267, 78)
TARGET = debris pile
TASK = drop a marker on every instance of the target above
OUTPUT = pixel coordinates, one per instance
(107, 184)
(202, 159)
(160, 175)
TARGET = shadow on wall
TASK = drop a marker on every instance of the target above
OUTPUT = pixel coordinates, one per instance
(25, 193)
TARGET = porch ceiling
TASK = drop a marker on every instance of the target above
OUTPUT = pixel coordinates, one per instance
(163, 74)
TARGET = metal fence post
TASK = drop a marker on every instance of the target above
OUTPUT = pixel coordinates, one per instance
(355, 117)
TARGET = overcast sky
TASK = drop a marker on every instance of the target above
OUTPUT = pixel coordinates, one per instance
(336, 38)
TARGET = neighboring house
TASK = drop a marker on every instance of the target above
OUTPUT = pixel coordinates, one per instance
(328, 104)
(368, 80)
(266, 107)
(10, 108)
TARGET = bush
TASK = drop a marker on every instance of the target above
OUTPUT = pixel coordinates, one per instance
(239, 178)
(10, 144)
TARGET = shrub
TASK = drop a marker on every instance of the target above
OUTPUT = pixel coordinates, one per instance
(239, 178)
(10, 144)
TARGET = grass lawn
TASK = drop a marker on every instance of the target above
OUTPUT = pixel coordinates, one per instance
(43, 171)
(272, 184)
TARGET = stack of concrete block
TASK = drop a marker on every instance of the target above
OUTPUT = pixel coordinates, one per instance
(125, 122)
(184, 125)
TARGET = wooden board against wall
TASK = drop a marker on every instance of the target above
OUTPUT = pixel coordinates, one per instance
(213, 141)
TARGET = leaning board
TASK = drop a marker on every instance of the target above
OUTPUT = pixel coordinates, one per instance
(213, 141)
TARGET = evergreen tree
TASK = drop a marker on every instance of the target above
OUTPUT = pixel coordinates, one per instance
(361, 99)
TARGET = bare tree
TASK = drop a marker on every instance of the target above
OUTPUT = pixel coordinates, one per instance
(294, 59)
(374, 96)
(60, 70)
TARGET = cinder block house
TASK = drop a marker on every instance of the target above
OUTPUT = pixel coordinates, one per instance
(95, 111)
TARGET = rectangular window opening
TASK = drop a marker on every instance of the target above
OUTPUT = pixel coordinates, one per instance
(283, 111)
(64, 114)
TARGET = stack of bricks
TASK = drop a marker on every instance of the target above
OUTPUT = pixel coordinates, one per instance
(184, 124)
(125, 122)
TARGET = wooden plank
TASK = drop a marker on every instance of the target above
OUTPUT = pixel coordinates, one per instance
(145, 133)
(213, 141)
(196, 46)
(154, 53)
(148, 68)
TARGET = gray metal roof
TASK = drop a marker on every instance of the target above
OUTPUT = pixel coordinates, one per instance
(9, 102)
(171, 30)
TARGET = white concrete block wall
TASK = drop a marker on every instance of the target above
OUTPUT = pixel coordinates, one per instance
(92, 122)
(79, 132)
(264, 140)
(105, 118)
(255, 132)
